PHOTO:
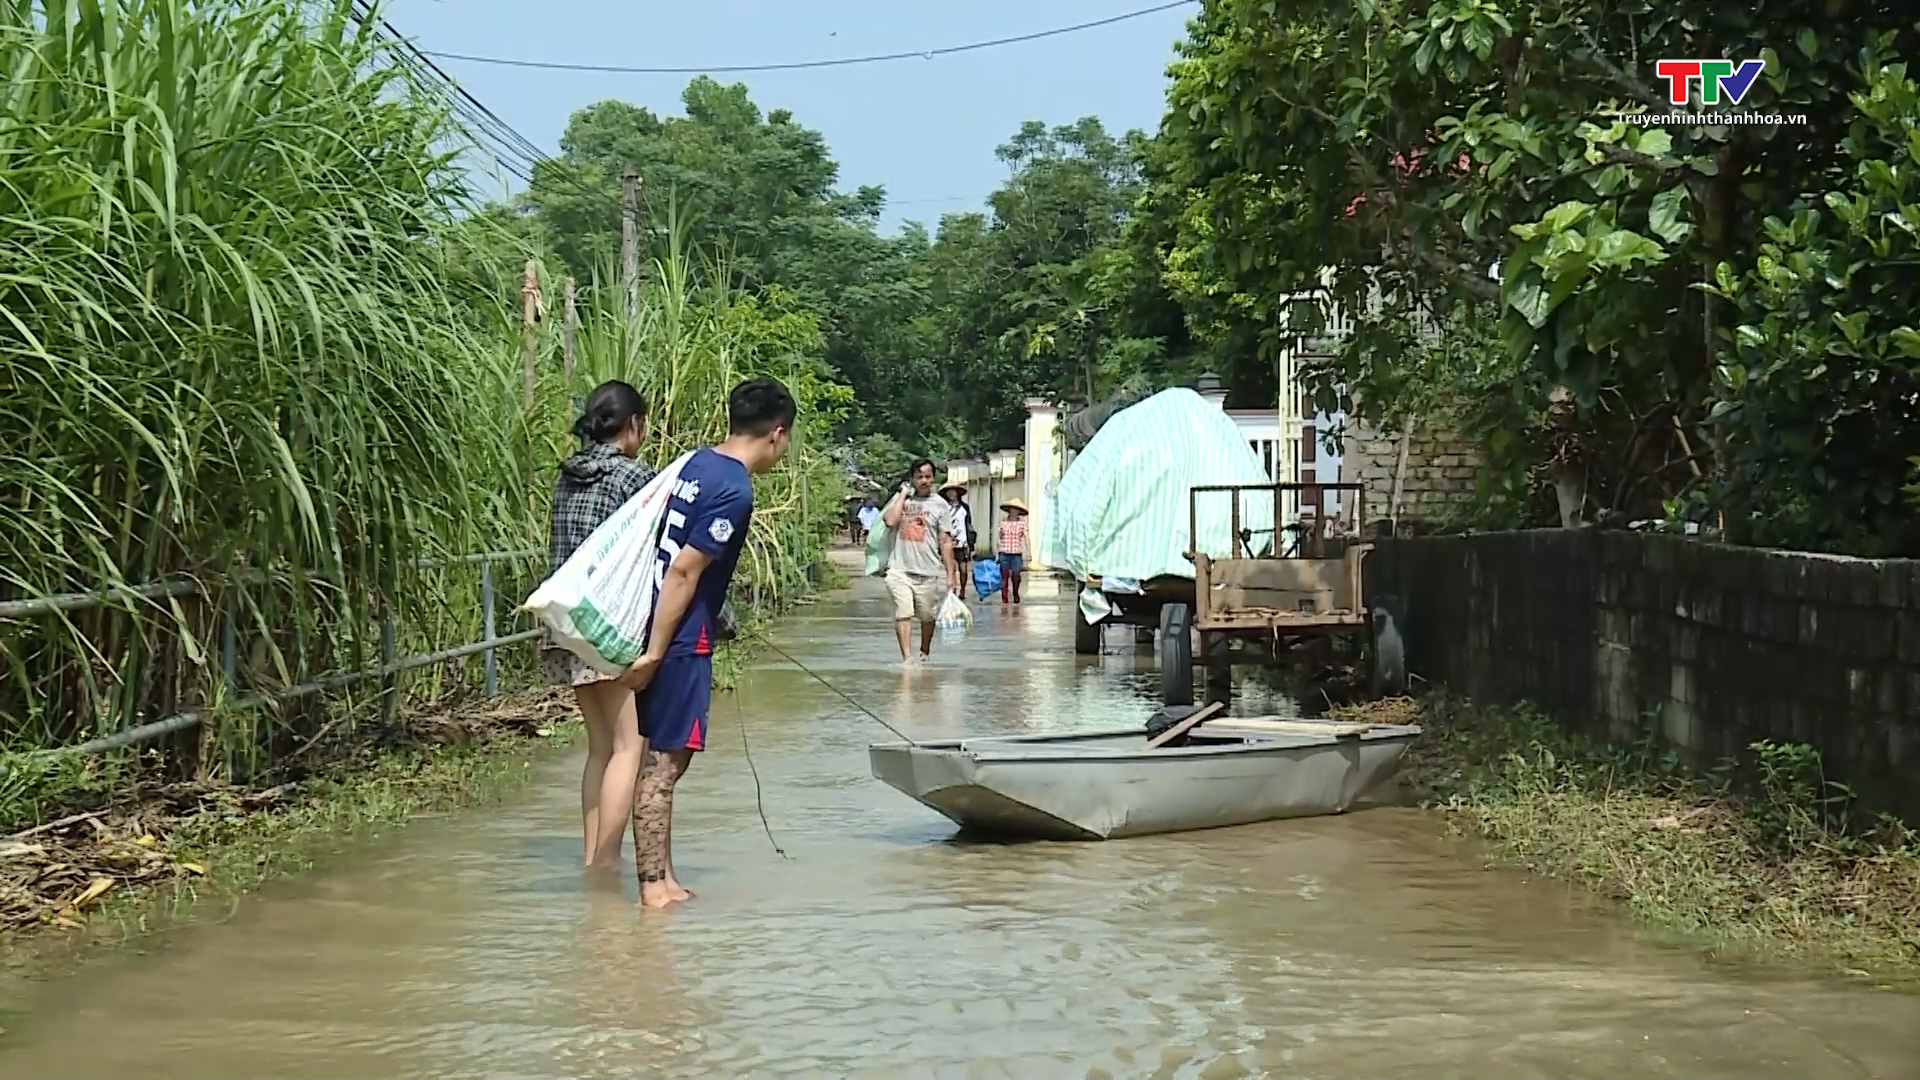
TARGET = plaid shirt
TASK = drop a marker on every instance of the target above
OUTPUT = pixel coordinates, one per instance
(593, 483)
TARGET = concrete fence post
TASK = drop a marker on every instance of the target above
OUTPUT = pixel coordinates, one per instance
(487, 626)
(389, 678)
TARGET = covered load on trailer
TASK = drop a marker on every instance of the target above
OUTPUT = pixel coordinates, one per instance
(1120, 515)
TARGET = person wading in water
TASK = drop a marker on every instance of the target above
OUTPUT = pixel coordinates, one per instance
(593, 483)
(920, 571)
(1012, 548)
(961, 529)
(700, 542)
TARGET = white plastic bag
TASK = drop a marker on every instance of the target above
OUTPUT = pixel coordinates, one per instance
(954, 613)
(599, 603)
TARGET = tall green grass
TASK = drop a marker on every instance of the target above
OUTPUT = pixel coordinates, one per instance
(695, 337)
(242, 338)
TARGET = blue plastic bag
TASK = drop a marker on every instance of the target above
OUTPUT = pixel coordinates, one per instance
(986, 577)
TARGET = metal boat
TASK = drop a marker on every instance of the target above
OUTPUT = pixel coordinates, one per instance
(1107, 785)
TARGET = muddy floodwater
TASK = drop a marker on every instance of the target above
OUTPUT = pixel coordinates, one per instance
(1361, 946)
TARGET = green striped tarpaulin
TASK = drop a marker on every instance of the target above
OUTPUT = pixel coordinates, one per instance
(1120, 510)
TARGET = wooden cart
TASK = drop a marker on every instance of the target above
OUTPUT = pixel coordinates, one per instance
(1278, 607)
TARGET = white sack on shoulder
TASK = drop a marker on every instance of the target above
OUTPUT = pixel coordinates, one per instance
(599, 603)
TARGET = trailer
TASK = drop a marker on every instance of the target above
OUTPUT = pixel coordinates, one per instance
(1124, 525)
(1284, 607)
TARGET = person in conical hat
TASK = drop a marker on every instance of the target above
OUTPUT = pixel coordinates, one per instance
(961, 526)
(1012, 548)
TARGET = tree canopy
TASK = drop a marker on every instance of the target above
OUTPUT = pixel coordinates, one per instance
(940, 334)
(1706, 320)
(1668, 318)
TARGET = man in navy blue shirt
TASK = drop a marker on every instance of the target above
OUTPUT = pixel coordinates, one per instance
(700, 542)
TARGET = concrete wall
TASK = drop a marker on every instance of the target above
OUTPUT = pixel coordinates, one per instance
(1043, 462)
(1621, 635)
(1442, 470)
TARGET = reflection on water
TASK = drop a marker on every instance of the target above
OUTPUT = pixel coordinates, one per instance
(1357, 946)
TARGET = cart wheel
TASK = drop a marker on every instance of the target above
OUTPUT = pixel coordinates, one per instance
(1388, 677)
(1219, 683)
(1176, 655)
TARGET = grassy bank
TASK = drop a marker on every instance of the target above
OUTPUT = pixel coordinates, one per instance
(1765, 856)
(119, 853)
(264, 348)
(100, 847)
(299, 375)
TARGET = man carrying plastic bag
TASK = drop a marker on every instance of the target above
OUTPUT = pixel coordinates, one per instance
(920, 572)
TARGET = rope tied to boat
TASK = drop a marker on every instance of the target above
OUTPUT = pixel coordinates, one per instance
(746, 750)
(842, 694)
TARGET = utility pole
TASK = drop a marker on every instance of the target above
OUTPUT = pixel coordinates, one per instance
(630, 239)
(529, 315)
(567, 333)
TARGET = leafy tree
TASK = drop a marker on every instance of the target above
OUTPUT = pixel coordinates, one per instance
(1410, 146)
(940, 336)
(1816, 399)
(1050, 295)
(759, 188)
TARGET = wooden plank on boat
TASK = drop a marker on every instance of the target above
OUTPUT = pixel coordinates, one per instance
(1264, 726)
(1198, 717)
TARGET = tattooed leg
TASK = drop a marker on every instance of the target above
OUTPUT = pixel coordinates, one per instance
(652, 819)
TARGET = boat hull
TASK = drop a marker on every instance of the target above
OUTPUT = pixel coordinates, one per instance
(1107, 785)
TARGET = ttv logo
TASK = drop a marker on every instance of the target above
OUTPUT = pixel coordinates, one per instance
(1714, 76)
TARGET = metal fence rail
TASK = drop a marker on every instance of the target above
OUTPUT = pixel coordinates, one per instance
(388, 669)
(162, 590)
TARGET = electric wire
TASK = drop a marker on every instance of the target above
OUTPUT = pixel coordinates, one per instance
(514, 152)
(801, 65)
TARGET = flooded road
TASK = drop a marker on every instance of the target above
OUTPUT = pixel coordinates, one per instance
(1361, 946)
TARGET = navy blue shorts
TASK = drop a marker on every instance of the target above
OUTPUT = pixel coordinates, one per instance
(674, 706)
(1012, 562)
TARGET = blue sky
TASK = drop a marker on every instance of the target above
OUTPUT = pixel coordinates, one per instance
(924, 129)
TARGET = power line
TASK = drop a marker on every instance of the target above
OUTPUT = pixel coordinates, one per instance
(518, 155)
(515, 153)
(465, 105)
(845, 61)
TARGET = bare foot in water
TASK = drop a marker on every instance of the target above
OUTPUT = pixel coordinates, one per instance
(656, 894)
(601, 878)
(679, 892)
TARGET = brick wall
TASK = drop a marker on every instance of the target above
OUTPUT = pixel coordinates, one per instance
(1622, 635)
(1441, 471)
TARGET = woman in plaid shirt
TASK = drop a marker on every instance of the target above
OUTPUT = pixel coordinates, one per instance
(593, 483)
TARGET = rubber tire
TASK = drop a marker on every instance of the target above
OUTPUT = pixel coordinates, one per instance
(1218, 684)
(1176, 655)
(1387, 676)
(1086, 635)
